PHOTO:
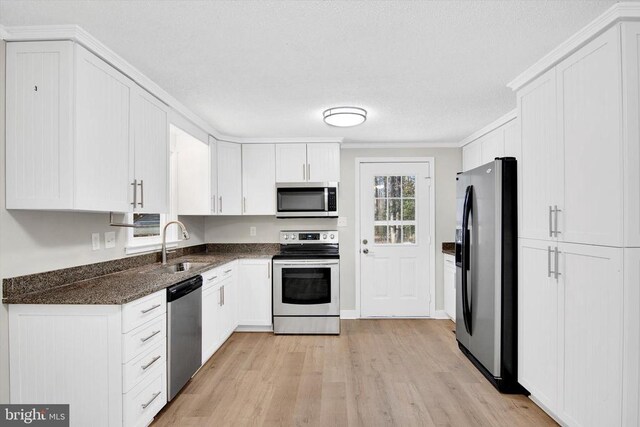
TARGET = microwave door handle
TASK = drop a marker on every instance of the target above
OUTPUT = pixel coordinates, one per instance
(326, 199)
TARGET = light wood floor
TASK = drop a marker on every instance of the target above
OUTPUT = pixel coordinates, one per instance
(377, 372)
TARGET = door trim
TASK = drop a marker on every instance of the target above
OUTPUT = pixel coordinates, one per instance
(432, 224)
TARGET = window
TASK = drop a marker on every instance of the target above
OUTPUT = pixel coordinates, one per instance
(395, 209)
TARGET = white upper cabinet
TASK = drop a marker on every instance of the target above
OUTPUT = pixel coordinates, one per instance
(39, 125)
(538, 166)
(512, 147)
(213, 174)
(194, 185)
(73, 123)
(151, 152)
(258, 179)
(323, 162)
(590, 134)
(318, 162)
(495, 140)
(291, 161)
(492, 145)
(471, 155)
(229, 178)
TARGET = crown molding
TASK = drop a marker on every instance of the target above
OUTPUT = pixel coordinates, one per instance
(625, 11)
(3, 33)
(417, 144)
(301, 140)
(503, 120)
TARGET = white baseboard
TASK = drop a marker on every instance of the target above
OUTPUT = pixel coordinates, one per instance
(244, 328)
(440, 314)
(349, 314)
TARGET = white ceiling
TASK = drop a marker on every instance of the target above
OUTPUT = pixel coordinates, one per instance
(429, 71)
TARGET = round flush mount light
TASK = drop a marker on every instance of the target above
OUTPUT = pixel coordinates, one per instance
(345, 116)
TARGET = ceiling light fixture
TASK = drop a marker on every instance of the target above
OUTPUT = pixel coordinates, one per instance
(345, 116)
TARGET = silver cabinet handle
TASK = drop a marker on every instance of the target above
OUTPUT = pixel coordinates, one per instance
(269, 271)
(557, 260)
(555, 215)
(549, 261)
(228, 271)
(141, 193)
(153, 334)
(212, 278)
(145, 405)
(308, 171)
(244, 205)
(154, 360)
(135, 192)
(150, 308)
(220, 296)
(304, 175)
(220, 203)
(550, 222)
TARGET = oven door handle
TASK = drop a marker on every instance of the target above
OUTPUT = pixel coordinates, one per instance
(306, 262)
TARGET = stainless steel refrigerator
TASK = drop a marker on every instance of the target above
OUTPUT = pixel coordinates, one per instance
(486, 271)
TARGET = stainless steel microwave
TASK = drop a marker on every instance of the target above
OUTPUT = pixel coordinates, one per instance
(307, 200)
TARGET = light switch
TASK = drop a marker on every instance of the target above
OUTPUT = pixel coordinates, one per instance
(95, 241)
(110, 239)
(252, 231)
(342, 221)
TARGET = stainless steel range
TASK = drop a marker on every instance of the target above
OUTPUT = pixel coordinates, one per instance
(306, 283)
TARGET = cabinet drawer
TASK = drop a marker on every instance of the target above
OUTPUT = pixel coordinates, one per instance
(143, 338)
(144, 401)
(144, 366)
(142, 310)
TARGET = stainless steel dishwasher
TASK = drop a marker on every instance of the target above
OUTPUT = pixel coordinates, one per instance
(184, 333)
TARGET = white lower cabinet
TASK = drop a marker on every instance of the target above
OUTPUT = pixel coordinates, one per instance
(254, 292)
(108, 362)
(449, 282)
(571, 330)
(219, 307)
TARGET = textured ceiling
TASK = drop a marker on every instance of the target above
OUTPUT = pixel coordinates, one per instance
(432, 71)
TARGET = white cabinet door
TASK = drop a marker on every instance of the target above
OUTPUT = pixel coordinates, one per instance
(150, 132)
(39, 113)
(512, 139)
(229, 178)
(590, 134)
(194, 191)
(323, 162)
(591, 328)
(539, 164)
(449, 273)
(492, 145)
(213, 174)
(631, 367)
(471, 156)
(538, 322)
(102, 146)
(254, 292)
(291, 162)
(258, 179)
(211, 319)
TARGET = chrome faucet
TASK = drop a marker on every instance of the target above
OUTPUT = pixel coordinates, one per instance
(185, 236)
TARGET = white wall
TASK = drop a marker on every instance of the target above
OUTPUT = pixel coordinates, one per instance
(448, 162)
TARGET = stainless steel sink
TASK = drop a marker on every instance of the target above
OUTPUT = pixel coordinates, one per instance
(177, 268)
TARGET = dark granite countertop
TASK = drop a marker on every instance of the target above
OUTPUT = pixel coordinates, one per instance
(128, 285)
(449, 248)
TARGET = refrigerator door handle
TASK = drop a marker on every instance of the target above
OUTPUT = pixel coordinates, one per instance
(466, 212)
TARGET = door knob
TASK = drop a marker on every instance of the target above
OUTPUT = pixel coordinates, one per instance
(365, 250)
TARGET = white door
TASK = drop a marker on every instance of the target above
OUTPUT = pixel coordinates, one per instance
(591, 328)
(229, 178)
(395, 239)
(291, 162)
(323, 162)
(258, 179)
(151, 152)
(539, 166)
(538, 321)
(590, 134)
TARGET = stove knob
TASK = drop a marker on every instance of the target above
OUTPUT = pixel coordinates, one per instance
(324, 237)
(293, 237)
(286, 237)
(332, 237)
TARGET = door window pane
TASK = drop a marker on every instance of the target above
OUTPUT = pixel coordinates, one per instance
(395, 209)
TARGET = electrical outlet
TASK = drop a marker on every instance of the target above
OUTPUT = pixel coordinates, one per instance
(95, 241)
(252, 231)
(110, 239)
(342, 221)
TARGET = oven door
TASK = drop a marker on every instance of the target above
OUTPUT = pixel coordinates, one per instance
(306, 287)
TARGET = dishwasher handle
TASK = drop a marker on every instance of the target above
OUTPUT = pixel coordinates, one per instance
(184, 288)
